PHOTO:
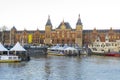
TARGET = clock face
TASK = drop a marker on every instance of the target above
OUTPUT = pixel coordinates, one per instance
(47, 29)
(78, 28)
(62, 27)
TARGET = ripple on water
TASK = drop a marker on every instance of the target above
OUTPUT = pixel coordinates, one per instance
(63, 68)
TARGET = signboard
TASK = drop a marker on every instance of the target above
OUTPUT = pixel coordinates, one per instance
(30, 38)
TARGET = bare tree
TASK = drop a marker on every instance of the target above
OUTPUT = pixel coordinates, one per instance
(3, 29)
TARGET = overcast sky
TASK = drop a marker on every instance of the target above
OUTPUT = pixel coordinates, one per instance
(33, 14)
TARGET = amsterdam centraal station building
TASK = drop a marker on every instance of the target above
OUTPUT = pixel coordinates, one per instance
(63, 34)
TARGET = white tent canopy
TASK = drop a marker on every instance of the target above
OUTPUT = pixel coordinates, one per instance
(55, 47)
(17, 47)
(60, 48)
(2, 48)
(70, 48)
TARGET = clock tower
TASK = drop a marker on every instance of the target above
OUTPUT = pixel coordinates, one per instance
(79, 26)
(48, 29)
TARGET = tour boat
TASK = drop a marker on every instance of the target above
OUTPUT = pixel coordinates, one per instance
(9, 58)
(12, 54)
(56, 53)
(94, 50)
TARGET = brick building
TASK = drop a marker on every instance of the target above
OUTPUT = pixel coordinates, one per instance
(63, 34)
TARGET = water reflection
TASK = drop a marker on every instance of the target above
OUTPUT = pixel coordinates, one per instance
(63, 68)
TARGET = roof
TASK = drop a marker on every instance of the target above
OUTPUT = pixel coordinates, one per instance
(14, 28)
(67, 25)
(79, 21)
(49, 22)
(101, 31)
(17, 47)
(2, 48)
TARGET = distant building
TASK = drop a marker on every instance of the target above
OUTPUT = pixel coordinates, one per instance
(63, 34)
(90, 36)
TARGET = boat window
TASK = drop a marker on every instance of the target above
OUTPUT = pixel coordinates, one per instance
(95, 49)
(97, 45)
(107, 44)
(92, 45)
(102, 50)
(112, 44)
(14, 57)
(102, 45)
(10, 57)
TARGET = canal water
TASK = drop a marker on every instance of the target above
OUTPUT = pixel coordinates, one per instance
(63, 68)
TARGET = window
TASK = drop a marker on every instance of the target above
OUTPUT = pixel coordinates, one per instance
(68, 35)
(14, 57)
(10, 57)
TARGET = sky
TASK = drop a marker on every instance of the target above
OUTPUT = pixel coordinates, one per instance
(33, 14)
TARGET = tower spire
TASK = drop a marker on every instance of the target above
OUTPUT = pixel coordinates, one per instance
(79, 20)
(49, 21)
(79, 16)
(48, 16)
(63, 21)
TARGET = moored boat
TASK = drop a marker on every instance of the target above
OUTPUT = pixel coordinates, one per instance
(34, 51)
(9, 58)
(104, 47)
(97, 51)
(19, 51)
(6, 57)
(56, 53)
(114, 54)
